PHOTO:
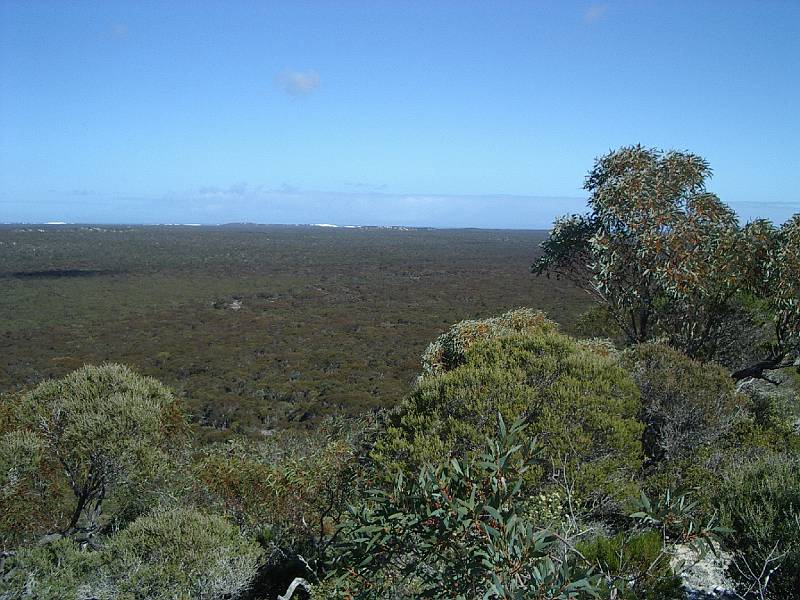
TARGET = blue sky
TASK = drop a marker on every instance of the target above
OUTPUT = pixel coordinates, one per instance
(484, 114)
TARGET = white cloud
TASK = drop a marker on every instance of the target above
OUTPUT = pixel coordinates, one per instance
(298, 83)
(119, 31)
(595, 12)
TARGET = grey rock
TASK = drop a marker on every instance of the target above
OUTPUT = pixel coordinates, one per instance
(704, 576)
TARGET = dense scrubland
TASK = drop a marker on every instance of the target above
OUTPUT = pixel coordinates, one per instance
(600, 457)
(332, 321)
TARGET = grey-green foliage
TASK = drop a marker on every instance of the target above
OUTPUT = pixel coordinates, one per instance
(760, 501)
(99, 429)
(456, 531)
(166, 555)
(685, 404)
(61, 570)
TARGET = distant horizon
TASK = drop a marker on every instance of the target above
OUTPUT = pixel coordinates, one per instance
(419, 211)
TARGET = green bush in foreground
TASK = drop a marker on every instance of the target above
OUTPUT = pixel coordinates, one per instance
(636, 566)
(101, 436)
(455, 532)
(574, 397)
(181, 553)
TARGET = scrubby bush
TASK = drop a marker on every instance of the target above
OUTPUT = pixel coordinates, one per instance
(180, 553)
(290, 491)
(685, 404)
(760, 502)
(579, 402)
(60, 570)
(172, 554)
(31, 490)
(99, 432)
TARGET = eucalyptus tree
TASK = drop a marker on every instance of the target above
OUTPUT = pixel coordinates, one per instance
(667, 258)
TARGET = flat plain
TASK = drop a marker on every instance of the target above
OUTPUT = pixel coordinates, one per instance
(257, 327)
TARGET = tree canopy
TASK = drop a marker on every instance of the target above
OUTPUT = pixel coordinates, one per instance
(667, 258)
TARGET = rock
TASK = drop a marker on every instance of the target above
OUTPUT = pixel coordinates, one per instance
(704, 577)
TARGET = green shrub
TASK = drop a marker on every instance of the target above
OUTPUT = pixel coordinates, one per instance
(32, 493)
(62, 570)
(103, 433)
(575, 398)
(172, 554)
(291, 486)
(180, 553)
(760, 502)
(455, 531)
(635, 566)
(685, 404)
(290, 491)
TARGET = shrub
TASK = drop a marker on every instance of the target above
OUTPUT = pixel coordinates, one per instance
(450, 349)
(179, 553)
(685, 404)
(635, 566)
(288, 485)
(290, 491)
(455, 532)
(99, 431)
(760, 502)
(578, 401)
(31, 492)
(57, 571)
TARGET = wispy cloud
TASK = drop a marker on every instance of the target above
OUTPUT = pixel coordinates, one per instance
(594, 13)
(362, 185)
(119, 31)
(298, 83)
(237, 190)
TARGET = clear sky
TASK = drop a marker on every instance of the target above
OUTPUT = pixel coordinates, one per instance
(460, 113)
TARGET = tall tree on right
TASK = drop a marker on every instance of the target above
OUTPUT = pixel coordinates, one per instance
(665, 258)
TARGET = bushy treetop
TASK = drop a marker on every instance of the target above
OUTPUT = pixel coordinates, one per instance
(581, 404)
(667, 258)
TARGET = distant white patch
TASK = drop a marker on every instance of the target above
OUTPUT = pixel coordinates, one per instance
(323, 225)
(55, 223)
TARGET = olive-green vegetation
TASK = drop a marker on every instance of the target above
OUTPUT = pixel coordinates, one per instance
(580, 402)
(516, 461)
(332, 321)
(760, 502)
(685, 404)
